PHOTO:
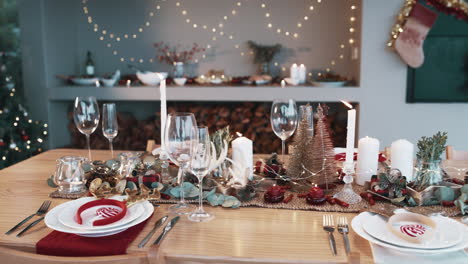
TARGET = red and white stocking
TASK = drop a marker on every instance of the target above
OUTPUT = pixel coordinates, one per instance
(409, 43)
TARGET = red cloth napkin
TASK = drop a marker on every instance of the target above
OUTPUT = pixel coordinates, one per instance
(69, 245)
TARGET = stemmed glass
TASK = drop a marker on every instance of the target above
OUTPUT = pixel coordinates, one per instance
(199, 166)
(86, 117)
(110, 127)
(283, 120)
(180, 139)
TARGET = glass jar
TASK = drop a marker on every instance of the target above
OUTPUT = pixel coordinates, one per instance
(427, 173)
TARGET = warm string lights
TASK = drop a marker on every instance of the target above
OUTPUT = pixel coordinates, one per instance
(112, 38)
(282, 30)
(218, 31)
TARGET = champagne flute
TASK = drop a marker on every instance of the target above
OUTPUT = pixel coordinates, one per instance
(199, 166)
(86, 117)
(179, 141)
(110, 127)
(283, 120)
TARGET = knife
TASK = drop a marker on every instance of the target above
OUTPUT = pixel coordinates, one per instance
(166, 230)
(150, 234)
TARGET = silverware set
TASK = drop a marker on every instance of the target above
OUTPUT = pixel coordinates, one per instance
(41, 211)
(343, 229)
(166, 230)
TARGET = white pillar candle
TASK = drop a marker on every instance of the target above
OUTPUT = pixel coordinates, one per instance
(162, 91)
(242, 155)
(402, 157)
(294, 72)
(368, 158)
(302, 73)
(350, 136)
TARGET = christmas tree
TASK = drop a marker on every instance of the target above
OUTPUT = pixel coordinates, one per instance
(20, 137)
(302, 150)
(323, 160)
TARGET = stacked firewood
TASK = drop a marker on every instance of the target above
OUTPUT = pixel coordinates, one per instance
(250, 119)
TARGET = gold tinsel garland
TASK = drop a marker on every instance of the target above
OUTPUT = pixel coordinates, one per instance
(459, 5)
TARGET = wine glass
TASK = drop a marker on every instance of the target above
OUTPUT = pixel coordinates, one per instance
(110, 127)
(199, 166)
(283, 120)
(86, 117)
(179, 141)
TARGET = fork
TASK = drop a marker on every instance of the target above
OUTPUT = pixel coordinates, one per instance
(329, 226)
(344, 230)
(42, 210)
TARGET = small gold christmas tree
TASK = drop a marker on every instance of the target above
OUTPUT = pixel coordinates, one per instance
(323, 160)
(302, 150)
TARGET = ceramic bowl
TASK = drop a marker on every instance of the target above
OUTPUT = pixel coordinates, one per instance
(180, 81)
(291, 81)
(85, 81)
(150, 78)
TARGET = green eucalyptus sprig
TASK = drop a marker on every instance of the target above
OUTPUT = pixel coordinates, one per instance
(431, 148)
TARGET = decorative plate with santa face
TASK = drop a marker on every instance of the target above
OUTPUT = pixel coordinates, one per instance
(442, 235)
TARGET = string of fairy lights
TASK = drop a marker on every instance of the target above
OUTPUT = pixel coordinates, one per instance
(112, 39)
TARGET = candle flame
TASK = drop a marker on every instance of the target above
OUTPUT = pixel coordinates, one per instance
(347, 104)
(315, 185)
(239, 134)
(283, 84)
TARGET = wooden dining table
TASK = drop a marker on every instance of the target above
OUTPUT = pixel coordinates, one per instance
(244, 235)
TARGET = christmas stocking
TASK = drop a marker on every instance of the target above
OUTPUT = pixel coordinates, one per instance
(409, 43)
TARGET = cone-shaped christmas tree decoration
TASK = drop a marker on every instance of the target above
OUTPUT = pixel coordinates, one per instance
(302, 147)
(323, 160)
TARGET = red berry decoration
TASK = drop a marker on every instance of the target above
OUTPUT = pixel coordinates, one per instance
(275, 194)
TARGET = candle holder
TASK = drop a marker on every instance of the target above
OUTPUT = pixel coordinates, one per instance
(347, 194)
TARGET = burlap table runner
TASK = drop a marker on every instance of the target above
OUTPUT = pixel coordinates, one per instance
(301, 204)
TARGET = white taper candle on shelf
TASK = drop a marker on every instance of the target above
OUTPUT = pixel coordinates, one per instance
(294, 72)
(242, 155)
(350, 133)
(401, 153)
(162, 91)
(302, 73)
(368, 158)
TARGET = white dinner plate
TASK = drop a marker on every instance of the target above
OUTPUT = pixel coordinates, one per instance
(358, 220)
(446, 234)
(51, 220)
(68, 216)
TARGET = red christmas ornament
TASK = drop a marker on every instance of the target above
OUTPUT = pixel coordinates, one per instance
(25, 137)
(275, 194)
(2, 143)
(316, 192)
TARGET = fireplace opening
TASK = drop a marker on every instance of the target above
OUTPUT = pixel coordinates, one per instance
(140, 121)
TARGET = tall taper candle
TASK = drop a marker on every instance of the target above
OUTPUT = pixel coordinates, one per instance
(402, 157)
(368, 158)
(162, 91)
(350, 136)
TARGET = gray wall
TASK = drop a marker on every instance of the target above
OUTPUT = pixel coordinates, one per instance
(384, 113)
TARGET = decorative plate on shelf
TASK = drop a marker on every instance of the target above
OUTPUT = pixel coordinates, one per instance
(84, 81)
(329, 84)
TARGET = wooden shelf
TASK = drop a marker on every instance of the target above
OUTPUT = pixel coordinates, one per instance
(205, 93)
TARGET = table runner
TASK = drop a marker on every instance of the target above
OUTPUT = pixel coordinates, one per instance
(301, 204)
(69, 245)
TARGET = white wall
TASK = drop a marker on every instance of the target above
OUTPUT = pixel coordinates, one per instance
(384, 113)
